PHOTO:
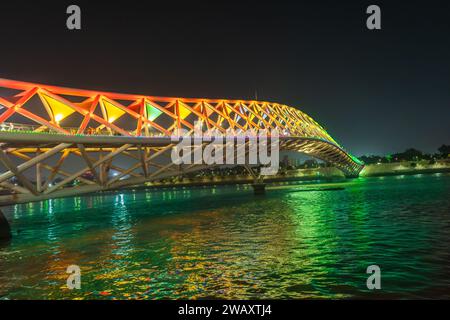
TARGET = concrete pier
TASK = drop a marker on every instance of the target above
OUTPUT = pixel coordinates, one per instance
(5, 230)
(259, 188)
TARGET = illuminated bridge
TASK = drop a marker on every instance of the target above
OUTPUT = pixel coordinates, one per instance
(57, 142)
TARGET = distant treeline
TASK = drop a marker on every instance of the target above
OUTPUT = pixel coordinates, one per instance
(410, 154)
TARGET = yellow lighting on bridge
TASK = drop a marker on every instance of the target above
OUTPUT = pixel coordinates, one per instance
(111, 111)
(184, 112)
(57, 109)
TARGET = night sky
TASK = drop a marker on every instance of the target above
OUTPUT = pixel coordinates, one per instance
(374, 91)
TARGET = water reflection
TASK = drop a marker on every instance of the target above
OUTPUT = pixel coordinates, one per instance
(225, 243)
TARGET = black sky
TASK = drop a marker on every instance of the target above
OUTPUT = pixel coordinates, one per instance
(375, 91)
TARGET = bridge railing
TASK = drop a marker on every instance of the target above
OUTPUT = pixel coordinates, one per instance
(27, 128)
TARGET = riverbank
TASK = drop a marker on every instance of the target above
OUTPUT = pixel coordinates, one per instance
(406, 168)
(325, 174)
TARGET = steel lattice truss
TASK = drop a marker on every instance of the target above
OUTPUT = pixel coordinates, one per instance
(42, 127)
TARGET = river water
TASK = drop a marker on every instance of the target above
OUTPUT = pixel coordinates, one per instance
(304, 240)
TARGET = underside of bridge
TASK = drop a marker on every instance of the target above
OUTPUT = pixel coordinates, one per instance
(57, 142)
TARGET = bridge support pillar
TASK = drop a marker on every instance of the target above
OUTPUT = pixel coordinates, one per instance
(5, 230)
(259, 188)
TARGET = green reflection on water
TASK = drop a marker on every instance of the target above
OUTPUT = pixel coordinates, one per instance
(295, 242)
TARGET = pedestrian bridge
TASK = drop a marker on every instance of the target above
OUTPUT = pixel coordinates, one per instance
(57, 142)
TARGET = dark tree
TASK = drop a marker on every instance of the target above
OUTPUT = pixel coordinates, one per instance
(409, 155)
(444, 150)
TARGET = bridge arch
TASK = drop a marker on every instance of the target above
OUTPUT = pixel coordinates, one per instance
(38, 122)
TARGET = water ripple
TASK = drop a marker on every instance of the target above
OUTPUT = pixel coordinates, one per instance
(225, 243)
